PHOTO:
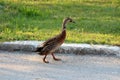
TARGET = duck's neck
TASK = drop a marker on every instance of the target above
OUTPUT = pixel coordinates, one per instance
(64, 25)
(64, 29)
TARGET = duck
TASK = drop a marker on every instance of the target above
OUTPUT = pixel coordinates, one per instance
(52, 44)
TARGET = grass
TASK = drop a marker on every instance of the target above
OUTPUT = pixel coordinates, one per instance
(97, 21)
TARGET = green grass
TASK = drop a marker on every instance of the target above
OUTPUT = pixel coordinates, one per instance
(97, 21)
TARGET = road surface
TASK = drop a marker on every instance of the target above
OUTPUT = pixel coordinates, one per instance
(29, 66)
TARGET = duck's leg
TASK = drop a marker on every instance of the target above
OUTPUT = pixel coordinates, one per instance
(56, 59)
(45, 58)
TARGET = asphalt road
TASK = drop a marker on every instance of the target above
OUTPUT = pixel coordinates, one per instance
(29, 66)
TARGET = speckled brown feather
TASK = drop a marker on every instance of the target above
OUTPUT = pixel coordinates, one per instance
(54, 43)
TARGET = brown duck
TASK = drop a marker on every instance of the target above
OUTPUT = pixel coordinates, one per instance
(49, 46)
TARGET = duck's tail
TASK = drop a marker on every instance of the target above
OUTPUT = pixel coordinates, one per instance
(39, 50)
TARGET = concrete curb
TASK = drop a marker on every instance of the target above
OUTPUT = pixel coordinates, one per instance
(81, 49)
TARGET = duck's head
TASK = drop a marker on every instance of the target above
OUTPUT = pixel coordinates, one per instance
(69, 20)
(65, 21)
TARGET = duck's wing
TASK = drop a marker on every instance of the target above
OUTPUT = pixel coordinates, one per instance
(50, 41)
(49, 45)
